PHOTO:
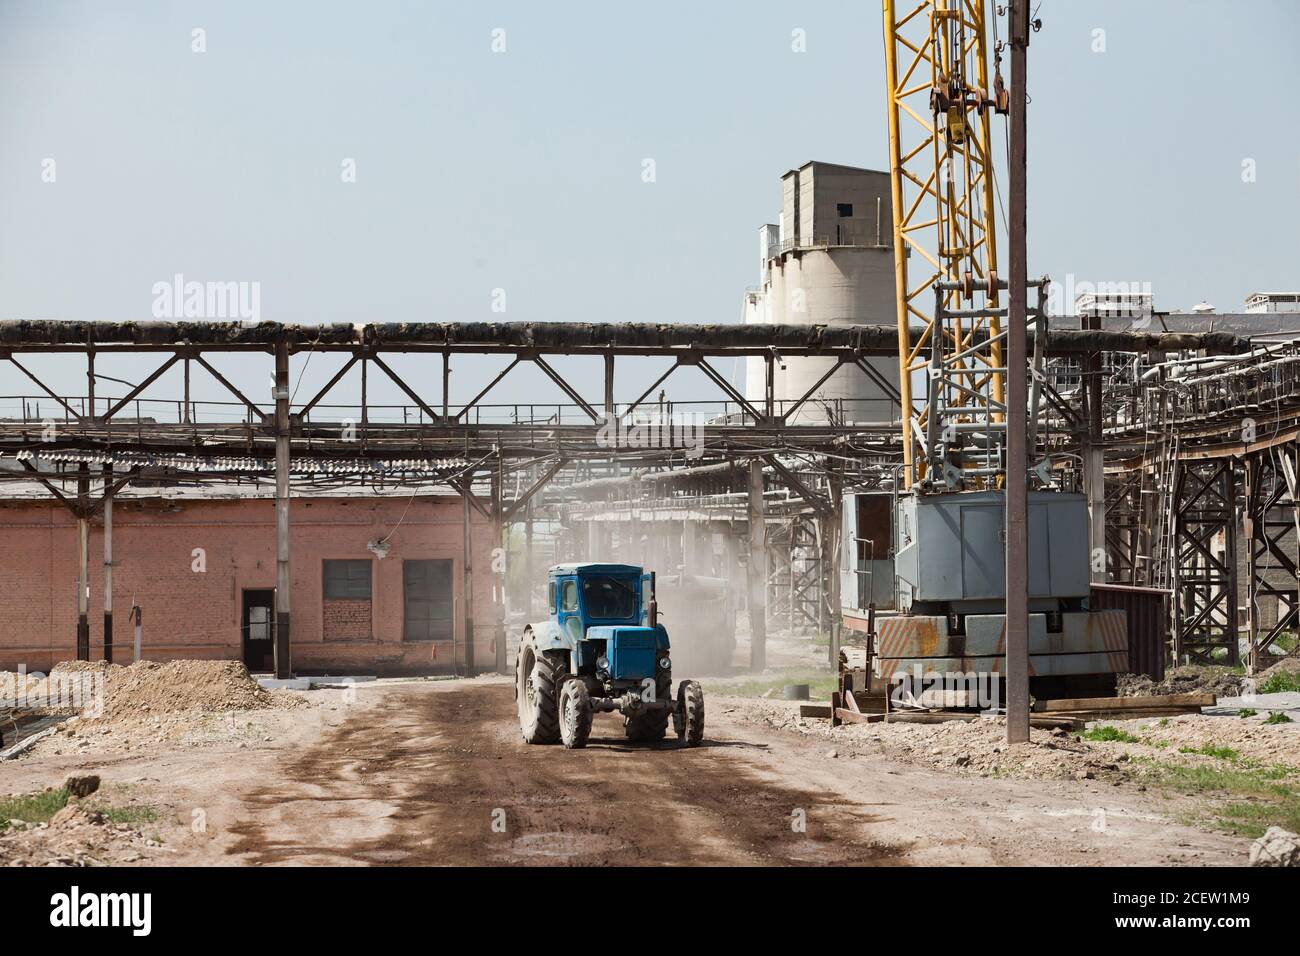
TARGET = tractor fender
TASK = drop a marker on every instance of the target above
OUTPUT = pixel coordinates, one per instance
(661, 637)
(549, 636)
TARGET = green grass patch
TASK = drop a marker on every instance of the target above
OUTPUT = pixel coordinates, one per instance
(1277, 717)
(1252, 818)
(1280, 683)
(1246, 712)
(33, 807)
(1113, 734)
(1286, 642)
(820, 686)
(134, 815)
(1209, 750)
(1246, 799)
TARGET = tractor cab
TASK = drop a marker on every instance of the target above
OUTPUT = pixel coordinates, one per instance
(601, 650)
(604, 611)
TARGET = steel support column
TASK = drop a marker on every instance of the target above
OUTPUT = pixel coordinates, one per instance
(1017, 480)
(108, 563)
(283, 583)
(757, 569)
(83, 562)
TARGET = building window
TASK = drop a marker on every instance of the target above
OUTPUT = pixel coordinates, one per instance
(845, 209)
(429, 608)
(347, 580)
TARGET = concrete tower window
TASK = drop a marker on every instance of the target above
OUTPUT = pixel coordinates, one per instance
(845, 209)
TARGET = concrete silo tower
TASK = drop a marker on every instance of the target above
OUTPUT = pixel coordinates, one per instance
(829, 262)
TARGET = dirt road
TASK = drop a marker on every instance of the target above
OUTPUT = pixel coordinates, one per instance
(436, 774)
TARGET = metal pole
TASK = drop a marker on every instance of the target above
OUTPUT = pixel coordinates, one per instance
(1017, 487)
(83, 563)
(500, 539)
(282, 580)
(108, 563)
(757, 569)
(468, 587)
(835, 547)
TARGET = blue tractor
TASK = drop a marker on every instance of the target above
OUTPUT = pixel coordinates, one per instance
(602, 650)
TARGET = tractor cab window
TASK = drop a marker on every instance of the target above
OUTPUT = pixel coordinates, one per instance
(609, 598)
(550, 596)
(569, 595)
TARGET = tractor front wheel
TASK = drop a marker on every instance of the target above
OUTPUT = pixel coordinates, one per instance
(537, 675)
(688, 717)
(575, 714)
(649, 726)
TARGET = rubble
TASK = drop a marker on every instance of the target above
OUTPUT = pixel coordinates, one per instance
(81, 785)
(1188, 679)
(979, 747)
(1277, 847)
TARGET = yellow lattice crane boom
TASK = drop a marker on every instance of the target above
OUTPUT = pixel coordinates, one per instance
(945, 247)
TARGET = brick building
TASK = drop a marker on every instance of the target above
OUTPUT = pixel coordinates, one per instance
(201, 566)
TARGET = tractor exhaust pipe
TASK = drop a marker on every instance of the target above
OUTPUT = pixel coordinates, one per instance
(654, 604)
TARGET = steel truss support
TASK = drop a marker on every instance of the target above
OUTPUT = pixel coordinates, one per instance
(1272, 517)
(1205, 563)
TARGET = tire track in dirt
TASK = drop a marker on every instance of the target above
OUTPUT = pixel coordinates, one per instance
(438, 775)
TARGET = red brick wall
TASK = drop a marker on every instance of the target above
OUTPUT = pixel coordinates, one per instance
(193, 611)
(346, 620)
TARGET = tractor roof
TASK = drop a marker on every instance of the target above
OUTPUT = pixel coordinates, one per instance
(595, 567)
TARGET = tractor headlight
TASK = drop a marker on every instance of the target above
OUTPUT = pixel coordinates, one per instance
(664, 663)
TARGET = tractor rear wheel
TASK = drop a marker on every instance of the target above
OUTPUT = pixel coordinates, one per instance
(649, 727)
(537, 675)
(688, 718)
(575, 714)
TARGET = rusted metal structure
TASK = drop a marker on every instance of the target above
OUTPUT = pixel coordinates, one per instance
(760, 467)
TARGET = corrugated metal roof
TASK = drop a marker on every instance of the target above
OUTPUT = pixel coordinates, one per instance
(252, 465)
(231, 491)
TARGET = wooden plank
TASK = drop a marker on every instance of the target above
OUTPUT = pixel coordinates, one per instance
(1121, 714)
(1127, 703)
(1046, 722)
(815, 710)
(928, 717)
(841, 715)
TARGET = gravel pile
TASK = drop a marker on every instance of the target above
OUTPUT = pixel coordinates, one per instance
(979, 747)
(148, 688)
(1188, 679)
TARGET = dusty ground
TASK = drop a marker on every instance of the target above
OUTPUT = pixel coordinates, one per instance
(435, 773)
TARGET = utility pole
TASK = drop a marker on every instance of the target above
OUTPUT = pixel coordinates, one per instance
(283, 582)
(1017, 480)
(108, 563)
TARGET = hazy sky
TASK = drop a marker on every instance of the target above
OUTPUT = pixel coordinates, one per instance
(522, 170)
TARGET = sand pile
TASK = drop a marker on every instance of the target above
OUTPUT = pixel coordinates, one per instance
(148, 688)
(1287, 665)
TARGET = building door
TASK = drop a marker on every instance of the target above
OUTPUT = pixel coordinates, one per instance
(259, 629)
